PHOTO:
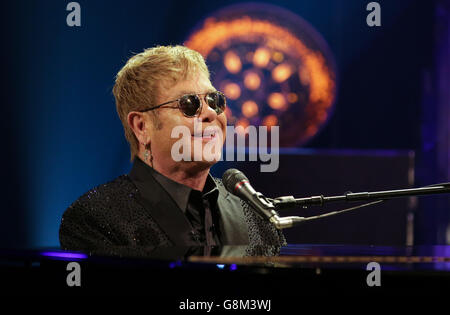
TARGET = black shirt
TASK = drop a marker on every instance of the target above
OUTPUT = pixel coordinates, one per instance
(200, 207)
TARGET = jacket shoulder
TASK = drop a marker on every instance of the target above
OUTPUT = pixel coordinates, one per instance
(109, 219)
(102, 202)
(88, 218)
(117, 188)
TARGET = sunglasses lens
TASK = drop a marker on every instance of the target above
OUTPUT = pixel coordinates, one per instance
(216, 101)
(189, 105)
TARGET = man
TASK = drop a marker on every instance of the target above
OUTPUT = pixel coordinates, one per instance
(165, 201)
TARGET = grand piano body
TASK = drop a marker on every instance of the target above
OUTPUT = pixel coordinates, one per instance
(234, 272)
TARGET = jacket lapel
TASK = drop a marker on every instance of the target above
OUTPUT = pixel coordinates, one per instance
(173, 221)
(160, 206)
(235, 230)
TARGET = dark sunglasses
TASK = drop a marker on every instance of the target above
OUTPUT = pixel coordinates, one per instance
(191, 105)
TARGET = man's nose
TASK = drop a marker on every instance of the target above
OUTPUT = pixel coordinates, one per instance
(207, 114)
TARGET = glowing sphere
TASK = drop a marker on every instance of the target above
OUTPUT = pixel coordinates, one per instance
(274, 67)
(232, 62)
(232, 91)
(252, 81)
(277, 101)
(249, 109)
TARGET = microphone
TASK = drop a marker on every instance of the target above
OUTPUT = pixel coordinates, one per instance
(238, 184)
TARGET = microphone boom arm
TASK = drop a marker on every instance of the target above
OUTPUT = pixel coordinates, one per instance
(288, 202)
(238, 184)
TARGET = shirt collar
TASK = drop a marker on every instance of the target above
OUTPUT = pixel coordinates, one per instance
(180, 193)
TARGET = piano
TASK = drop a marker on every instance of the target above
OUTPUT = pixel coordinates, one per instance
(176, 275)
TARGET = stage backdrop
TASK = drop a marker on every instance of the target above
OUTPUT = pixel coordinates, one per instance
(62, 135)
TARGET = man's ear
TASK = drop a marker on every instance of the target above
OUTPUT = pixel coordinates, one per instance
(139, 124)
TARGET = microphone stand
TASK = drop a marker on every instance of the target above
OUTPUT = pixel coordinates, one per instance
(288, 202)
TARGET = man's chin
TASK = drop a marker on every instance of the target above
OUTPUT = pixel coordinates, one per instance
(206, 161)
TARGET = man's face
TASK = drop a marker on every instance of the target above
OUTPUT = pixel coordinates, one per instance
(172, 119)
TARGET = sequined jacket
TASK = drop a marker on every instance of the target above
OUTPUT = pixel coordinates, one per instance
(116, 217)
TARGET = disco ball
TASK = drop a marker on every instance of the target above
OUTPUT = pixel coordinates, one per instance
(274, 68)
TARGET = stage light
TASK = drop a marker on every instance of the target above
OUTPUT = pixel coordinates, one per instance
(281, 73)
(273, 66)
(232, 91)
(261, 57)
(252, 81)
(278, 56)
(232, 62)
(270, 120)
(64, 255)
(292, 97)
(249, 109)
(276, 101)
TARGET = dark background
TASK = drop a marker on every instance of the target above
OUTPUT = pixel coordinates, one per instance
(62, 136)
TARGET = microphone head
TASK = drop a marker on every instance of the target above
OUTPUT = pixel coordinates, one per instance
(231, 178)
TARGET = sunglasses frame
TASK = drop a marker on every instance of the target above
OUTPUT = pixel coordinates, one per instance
(199, 109)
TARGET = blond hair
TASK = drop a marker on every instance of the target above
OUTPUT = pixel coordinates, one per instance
(139, 82)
